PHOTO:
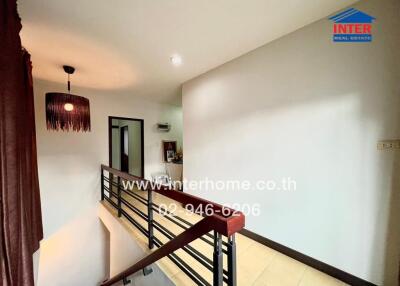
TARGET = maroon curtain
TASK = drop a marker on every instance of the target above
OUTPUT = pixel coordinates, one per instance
(20, 213)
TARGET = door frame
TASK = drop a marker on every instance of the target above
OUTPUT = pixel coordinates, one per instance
(110, 127)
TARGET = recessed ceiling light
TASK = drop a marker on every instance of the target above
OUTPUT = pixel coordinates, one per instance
(176, 60)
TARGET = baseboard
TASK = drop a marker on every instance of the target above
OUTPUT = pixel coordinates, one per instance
(314, 263)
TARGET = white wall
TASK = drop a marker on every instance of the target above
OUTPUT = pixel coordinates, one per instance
(73, 250)
(313, 110)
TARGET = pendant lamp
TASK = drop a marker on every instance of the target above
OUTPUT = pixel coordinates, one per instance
(66, 111)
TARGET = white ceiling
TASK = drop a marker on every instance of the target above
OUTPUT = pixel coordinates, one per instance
(125, 45)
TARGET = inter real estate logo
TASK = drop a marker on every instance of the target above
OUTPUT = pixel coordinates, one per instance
(352, 25)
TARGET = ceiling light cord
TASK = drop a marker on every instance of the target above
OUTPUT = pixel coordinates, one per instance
(69, 70)
(69, 85)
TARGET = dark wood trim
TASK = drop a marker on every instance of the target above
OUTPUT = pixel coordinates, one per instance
(125, 118)
(110, 140)
(110, 127)
(314, 263)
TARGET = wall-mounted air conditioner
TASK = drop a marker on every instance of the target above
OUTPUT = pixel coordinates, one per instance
(163, 127)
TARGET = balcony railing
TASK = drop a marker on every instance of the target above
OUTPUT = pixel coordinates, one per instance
(216, 228)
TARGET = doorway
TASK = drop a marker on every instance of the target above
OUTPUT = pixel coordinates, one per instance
(126, 145)
(124, 150)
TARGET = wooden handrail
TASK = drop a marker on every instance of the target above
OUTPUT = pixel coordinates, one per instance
(223, 221)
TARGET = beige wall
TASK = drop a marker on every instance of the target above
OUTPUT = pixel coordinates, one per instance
(125, 250)
(307, 108)
(73, 250)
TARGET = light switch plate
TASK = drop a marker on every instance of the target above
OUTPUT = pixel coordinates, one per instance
(388, 144)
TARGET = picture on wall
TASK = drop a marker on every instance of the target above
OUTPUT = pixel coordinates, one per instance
(169, 148)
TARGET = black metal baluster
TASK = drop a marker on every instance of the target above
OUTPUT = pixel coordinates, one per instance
(126, 281)
(119, 196)
(231, 261)
(218, 260)
(150, 218)
(110, 184)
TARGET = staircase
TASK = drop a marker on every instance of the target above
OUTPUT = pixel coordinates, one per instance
(196, 235)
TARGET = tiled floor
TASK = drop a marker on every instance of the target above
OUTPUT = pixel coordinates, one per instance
(257, 264)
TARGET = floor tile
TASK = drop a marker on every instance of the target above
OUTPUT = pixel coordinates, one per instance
(282, 271)
(314, 277)
(252, 262)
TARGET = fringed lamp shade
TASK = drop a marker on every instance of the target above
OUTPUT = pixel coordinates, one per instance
(67, 112)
